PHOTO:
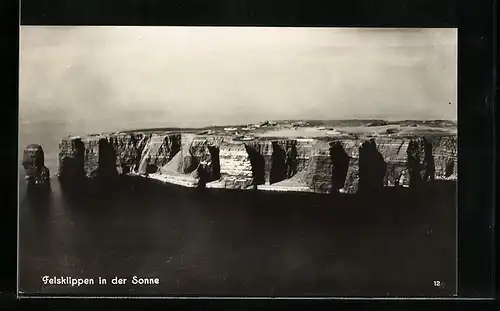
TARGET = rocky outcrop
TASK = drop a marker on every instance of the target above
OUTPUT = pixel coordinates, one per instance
(421, 164)
(34, 165)
(444, 151)
(344, 165)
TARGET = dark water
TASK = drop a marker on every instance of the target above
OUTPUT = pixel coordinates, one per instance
(232, 243)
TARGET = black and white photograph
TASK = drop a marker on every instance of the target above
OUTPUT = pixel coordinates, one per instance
(183, 161)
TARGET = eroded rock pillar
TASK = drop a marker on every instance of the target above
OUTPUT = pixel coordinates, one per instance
(34, 164)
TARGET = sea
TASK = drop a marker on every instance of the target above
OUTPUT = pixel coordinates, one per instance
(230, 243)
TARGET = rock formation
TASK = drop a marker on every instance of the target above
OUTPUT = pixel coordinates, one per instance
(321, 165)
(33, 162)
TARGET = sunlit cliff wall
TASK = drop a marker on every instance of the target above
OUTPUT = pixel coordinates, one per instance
(311, 165)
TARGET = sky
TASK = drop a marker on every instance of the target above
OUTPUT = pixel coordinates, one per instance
(114, 78)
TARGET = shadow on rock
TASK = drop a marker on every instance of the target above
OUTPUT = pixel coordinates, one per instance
(258, 165)
(372, 168)
(340, 165)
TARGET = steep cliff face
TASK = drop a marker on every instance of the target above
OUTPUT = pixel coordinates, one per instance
(394, 152)
(261, 157)
(284, 160)
(344, 165)
(158, 151)
(387, 162)
(340, 166)
(141, 145)
(315, 166)
(351, 148)
(258, 162)
(445, 156)
(319, 168)
(97, 155)
(91, 156)
(420, 161)
(235, 166)
(182, 169)
(184, 159)
(125, 147)
(188, 161)
(205, 155)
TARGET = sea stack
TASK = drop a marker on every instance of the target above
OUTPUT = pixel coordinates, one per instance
(33, 162)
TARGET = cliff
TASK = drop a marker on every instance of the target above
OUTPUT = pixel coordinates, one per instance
(268, 160)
